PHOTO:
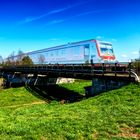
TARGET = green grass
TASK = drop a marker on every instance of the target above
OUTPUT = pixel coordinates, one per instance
(16, 96)
(110, 115)
(77, 86)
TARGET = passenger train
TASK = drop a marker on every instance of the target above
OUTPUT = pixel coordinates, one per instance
(76, 53)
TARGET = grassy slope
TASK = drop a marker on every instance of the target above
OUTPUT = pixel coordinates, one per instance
(111, 115)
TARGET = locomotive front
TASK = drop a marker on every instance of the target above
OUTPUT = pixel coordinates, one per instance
(105, 51)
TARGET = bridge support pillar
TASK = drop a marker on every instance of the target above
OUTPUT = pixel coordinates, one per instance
(98, 85)
(13, 79)
(102, 85)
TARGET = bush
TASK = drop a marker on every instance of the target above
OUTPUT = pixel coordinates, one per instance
(136, 65)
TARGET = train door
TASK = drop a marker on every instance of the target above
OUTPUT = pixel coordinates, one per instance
(86, 53)
(93, 53)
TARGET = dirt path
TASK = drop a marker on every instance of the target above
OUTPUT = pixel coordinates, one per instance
(29, 104)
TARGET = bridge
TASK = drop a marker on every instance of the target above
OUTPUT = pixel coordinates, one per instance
(101, 74)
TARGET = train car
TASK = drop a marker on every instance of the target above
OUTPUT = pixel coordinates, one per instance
(76, 53)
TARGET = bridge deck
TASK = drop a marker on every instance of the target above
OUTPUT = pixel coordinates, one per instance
(81, 71)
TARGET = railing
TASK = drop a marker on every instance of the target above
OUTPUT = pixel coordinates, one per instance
(75, 70)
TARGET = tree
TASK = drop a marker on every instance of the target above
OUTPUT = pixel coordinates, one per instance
(1, 60)
(20, 56)
(12, 56)
(136, 66)
(10, 59)
(26, 60)
(7, 61)
(41, 59)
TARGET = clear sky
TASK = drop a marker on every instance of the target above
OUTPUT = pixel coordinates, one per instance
(36, 24)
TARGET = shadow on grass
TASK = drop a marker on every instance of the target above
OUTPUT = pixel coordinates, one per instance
(64, 95)
(55, 92)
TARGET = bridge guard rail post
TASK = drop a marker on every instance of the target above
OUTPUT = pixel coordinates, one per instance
(103, 67)
(92, 69)
(115, 69)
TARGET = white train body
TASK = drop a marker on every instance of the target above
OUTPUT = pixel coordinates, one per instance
(76, 53)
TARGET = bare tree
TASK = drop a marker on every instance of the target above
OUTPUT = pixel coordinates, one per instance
(41, 59)
(20, 56)
(7, 61)
(10, 59)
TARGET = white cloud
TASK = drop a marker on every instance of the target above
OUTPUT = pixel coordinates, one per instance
(54, 39)
(55, 22)
(135, 52)
(124, 55)
(100, 37)
(78, 15)
(114, 40)
(91, 12)
(31, 19)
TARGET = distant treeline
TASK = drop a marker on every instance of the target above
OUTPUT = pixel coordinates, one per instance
(21, 59)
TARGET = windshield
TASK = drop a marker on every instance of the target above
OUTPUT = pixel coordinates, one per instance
(106, 49)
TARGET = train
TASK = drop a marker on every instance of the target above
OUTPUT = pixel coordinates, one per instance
(81, 52)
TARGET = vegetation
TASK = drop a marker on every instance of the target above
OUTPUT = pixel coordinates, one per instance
(110, 115)
(20, 59)
(26, 60)
(136, 65)
(41, 59)
(1, 60)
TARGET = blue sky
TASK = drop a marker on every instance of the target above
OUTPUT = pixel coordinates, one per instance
(36, 24)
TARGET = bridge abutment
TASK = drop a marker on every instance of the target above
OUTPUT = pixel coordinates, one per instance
(102, 85)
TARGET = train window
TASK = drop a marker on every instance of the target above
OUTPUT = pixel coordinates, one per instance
(63, 52)
(106, 49)
(46, 54)
(51, 53)
(77, 50)
(56, 52)
(86, 49)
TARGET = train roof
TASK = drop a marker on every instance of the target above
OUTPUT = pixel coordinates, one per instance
(55, 47)
(60, 46)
